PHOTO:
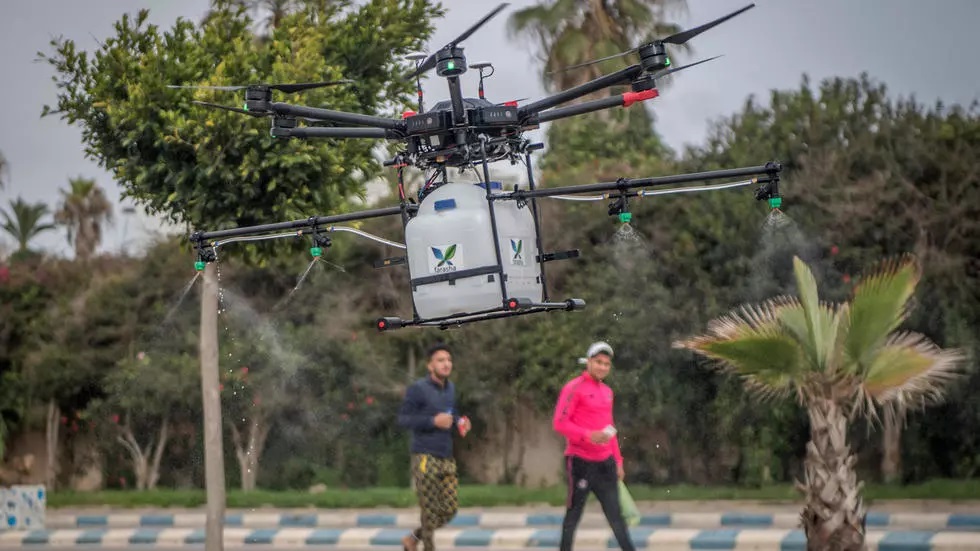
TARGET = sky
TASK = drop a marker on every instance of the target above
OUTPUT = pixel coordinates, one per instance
(916, 48)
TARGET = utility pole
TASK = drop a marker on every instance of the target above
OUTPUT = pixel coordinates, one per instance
(214, 466)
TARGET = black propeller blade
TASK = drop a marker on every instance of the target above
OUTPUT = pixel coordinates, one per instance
(666, 72)
(678, 39)
(246, 112)
(227, 108)
(288, 88)
(430, 61)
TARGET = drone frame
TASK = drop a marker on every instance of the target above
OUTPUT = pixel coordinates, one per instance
(471, 131)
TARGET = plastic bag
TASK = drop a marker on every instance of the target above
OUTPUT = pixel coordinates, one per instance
(628, 507)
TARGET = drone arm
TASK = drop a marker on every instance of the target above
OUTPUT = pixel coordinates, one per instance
(619, 77)
(770, 170)
(336, 116)
(308, 223)
(622, 100)
(334, 132)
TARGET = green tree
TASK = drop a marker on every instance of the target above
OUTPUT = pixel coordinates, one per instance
(24, 222)
(214, 169)
(841, 361)
(866, 175)
(571, 32)
(84, 210)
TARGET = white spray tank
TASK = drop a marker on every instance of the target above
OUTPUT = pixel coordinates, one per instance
(451, 235)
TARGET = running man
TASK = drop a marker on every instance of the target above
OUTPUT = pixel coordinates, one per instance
(429, 411)
(593, 462)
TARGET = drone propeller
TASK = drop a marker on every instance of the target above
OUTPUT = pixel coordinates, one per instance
(228, 108)
(666, 72)
(677, 39)
(288, 88)
(430, 61)
(246, 112)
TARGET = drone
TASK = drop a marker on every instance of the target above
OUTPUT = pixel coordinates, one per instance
(474, 250)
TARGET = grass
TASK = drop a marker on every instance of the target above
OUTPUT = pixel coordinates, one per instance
(487, 496)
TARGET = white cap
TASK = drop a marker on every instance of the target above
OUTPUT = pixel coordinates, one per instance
(598, 348)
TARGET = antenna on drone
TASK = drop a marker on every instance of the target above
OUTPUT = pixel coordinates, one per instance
(481, 66)
(417, 58)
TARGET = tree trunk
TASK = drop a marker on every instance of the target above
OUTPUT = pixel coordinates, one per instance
(214, 466)
(146, 462)
(153, 474)
(51, 440)
(834, 515)
(891, 462)
(249, 453)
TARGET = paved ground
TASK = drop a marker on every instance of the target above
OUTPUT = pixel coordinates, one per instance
(714, 506)
(255, 547)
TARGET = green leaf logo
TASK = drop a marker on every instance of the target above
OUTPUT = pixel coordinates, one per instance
(517, 246)
(445, 259)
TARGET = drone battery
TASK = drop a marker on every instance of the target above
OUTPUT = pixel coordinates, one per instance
(492, 116)
(433, 121)
(451, 257)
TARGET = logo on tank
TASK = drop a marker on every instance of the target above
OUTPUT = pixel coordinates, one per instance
(445, 258)
(517, 252)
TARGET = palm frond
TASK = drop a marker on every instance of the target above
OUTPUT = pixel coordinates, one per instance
(750, 343)
(908, 371)
(879, 305)
(816, 321)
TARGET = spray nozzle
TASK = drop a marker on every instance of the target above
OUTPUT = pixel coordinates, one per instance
(205, 252)
(769, 191)
(621, 208)
(320, 241)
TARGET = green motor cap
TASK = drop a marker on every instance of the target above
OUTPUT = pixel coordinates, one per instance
(316, 251)
(625, 217)
(775, 202)
(199, 265)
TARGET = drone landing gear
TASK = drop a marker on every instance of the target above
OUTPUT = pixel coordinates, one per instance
(511, 308)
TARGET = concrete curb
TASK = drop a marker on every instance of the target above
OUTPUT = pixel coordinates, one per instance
(521, 538)
(495, 520)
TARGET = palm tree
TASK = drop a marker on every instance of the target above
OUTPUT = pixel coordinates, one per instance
(84, 210)
(4, 168)
(569, 32)
(842, 361)
(24, 222)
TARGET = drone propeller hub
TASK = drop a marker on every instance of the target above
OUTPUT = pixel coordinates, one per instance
(653, 57)
(450, 62)
(644, 83)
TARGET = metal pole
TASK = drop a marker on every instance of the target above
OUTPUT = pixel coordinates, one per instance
(214, 465)
(304, 223)
(630, 183)
(537, 225)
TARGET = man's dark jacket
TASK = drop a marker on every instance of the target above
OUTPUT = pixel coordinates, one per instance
(423, 400)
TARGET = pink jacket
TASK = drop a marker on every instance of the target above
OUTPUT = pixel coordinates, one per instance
(584, 406)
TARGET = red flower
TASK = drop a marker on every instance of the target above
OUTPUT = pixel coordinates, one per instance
(221, 386)
(64, 420)
(350, 406)
(115, 418)
(4, 274)
(834, 250)
(369, 400)
(245, 370)
(846, 278)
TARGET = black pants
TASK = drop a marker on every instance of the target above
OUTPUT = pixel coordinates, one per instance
(598, 477)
